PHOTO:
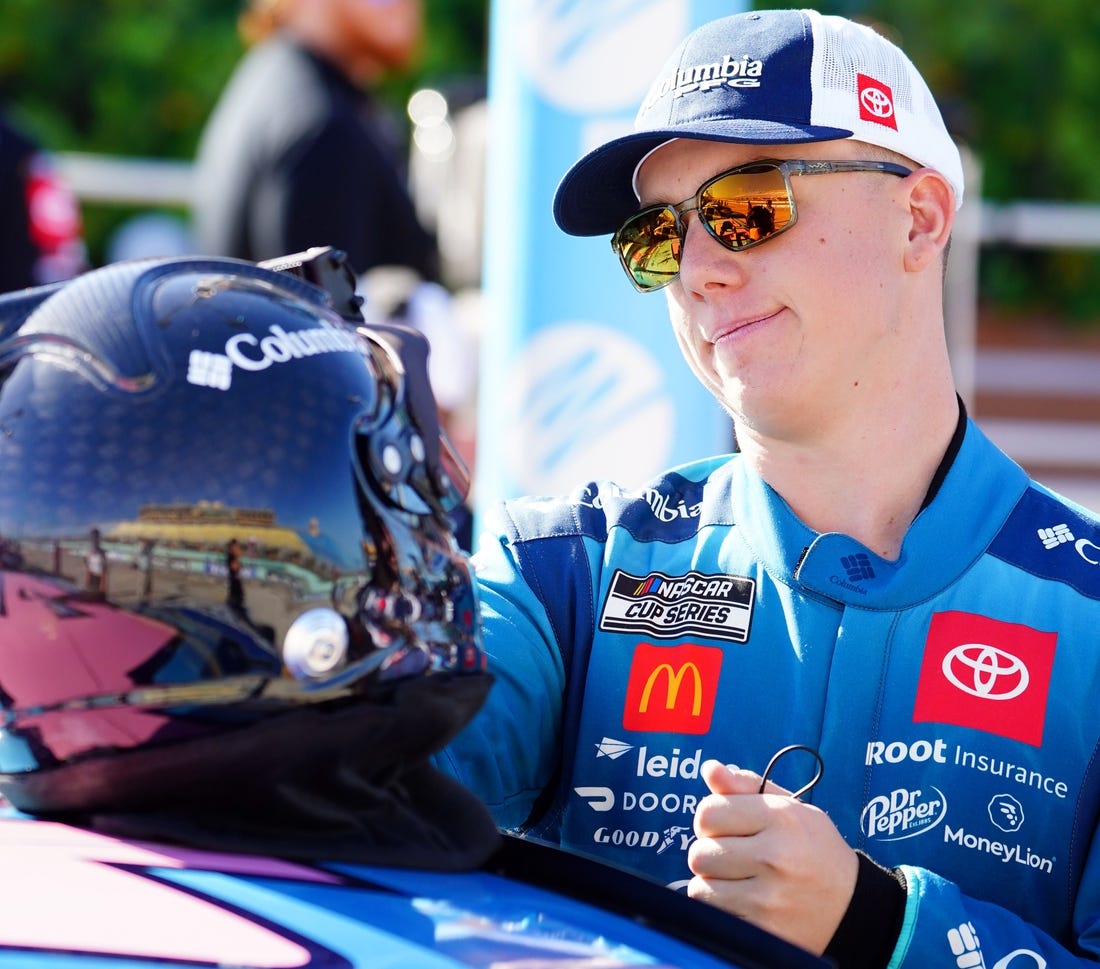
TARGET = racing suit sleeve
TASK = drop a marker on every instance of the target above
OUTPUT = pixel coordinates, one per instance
(508, 754)
(942, 926)
(868, 933)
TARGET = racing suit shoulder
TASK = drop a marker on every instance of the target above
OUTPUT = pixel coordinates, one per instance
(683, 497)
(1053, 538)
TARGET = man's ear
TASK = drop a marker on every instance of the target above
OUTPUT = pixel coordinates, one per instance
(932, 210)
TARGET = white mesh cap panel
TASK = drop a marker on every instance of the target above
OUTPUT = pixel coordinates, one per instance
(843, 51)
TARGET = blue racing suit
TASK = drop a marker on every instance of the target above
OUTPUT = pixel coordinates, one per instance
(952, 694)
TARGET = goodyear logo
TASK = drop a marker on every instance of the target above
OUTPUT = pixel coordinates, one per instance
(672, 606)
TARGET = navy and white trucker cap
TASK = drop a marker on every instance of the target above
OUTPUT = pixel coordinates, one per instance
(776, 77)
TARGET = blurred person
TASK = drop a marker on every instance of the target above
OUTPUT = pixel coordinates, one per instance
(41, 232)
(298, 153)
(145, 564)
(868, 581)
(234, 596)
(95, 567)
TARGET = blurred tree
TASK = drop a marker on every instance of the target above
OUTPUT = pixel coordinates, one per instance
(117, 76)
(126, 77)
(1018, 80)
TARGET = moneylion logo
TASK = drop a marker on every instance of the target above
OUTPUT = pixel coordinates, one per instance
(730, 71)
(1006, 812)
(246, 351)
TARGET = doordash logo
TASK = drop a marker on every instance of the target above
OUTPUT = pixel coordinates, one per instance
(986, 674)
(672, 688)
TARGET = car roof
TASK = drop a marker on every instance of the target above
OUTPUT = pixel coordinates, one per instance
(72, 897)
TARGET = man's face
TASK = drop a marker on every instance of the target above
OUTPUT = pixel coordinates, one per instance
(788, 331)
(386, 32)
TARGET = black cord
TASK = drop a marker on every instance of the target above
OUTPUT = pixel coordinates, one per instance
(786, 750)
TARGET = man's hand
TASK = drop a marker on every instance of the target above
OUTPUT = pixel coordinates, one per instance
(770, 859)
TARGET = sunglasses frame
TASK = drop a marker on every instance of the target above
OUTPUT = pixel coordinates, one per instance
(786, 168)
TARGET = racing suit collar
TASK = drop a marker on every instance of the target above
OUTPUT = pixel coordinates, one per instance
(972, 495)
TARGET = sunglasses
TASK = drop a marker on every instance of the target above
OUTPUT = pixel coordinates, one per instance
(740, 208)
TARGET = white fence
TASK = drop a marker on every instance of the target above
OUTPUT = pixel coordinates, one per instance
(126, 181)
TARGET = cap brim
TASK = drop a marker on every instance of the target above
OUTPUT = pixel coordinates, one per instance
(597, 195)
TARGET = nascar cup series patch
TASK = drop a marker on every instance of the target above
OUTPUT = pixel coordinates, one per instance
(674, 606)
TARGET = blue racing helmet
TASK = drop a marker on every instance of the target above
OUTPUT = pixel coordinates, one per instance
(222, 501)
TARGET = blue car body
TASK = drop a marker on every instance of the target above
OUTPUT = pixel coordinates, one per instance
(73, 897)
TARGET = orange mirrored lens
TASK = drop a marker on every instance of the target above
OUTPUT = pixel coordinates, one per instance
(746, 207)
(739, 209)
(649, 247)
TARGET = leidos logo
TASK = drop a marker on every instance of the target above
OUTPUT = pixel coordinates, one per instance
(672, 688)
(985, 674)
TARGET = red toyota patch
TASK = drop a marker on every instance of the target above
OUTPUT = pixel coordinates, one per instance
(876, 102)
(986, 674)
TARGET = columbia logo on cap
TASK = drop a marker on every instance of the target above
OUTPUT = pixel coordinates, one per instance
(731, 71)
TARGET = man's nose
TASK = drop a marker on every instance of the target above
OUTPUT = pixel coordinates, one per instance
(704, 261)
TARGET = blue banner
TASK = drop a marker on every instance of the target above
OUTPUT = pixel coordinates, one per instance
(580, 375)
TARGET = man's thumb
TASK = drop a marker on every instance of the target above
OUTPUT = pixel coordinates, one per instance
(729, 778)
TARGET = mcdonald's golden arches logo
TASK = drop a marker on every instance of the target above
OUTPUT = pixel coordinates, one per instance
(672, 688)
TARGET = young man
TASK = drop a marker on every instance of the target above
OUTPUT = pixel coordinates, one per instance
(869, 578)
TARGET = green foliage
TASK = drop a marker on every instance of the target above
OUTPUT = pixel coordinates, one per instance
(118, 76)
(138, 79)
(1018, 80)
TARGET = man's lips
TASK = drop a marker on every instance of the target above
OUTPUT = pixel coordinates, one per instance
(733, 327)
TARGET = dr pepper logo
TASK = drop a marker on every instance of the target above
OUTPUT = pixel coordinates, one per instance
(672, 688)
(986, 674)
